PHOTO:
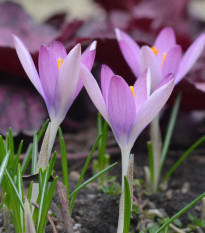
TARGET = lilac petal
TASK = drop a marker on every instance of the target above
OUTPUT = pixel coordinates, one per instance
(58, 50)
(149, 60)
(142, 89)
(200, 86)
(165, 41)
(48, 70)
(87, 59)
(150, 109)
(67, 81)
(28, 65)
(106, 75)
(121, 108)
(93, 91)
(130, 51)
(172, 61)
(190, 57)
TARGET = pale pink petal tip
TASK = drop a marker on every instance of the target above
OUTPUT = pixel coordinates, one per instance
(93, 46)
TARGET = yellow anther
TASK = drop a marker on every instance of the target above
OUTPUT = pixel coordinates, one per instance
(163, 58)
(132, 90)
(59, 62)
(154, 50)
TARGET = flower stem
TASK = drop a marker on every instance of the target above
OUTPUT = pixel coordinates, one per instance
(125, 153)
(156, 141)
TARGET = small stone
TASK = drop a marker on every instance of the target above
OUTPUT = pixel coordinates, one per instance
(169, 194)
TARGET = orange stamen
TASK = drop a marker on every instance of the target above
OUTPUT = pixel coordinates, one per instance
(163, 58)
(154, 50)
(132, 90)
(59, 62)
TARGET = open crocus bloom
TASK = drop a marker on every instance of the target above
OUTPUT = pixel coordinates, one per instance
(164, 57)
(58, 79)
(128, 110)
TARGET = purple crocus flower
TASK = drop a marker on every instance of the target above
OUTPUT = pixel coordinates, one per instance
(128, 110)
(58, 79)
(163, 58)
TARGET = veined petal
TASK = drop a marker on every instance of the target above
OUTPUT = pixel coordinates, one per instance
(142, 89)
(165, 40)
(172, 61)
(67, 81)
(121, 108)
(58, 49)
(130, 51)
(151, 108)
(149, 60)
(190, 57)
(93, 91)
(28, 65)
(48, 71)
(106, 75)
(87, 59)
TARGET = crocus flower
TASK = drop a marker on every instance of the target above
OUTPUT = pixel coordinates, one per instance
(128, 110)
(58, 79)
(164, 57)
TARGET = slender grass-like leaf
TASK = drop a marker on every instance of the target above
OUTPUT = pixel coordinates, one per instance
(2, 149)
(84, 170)
(34, 154)
(183, 157)
(28, 154)
(151, 161)
(46, 206)
(26, 159)
(127, 206)
(42, 130)
(21, 194)
(15, 191)
(18, 154)
(3, 165)
(91, 179)
(29, 224)
(64, 162)
(170, 129)
(178, 214)
(30, 191)
(3, 200)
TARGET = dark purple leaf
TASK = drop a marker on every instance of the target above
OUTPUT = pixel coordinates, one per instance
(21, 109)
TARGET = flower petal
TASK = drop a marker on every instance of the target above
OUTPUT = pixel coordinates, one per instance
(121, 108)
(48, 71)
(67, 81)
(87, 59)
(172, 61)
(58, 50)
(165, 40)
(93, 91)
(149, 60)
(151, 108)
(27, 63)
(190, 57)
(142, 89)
(106, 75)
(130, 51)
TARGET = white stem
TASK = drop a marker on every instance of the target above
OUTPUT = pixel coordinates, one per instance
(125, 152)
(156, 140)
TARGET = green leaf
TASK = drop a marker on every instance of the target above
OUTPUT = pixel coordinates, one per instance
(46, 206)
(84, 170)
(3, 165)
(64, 162)
(15, 191)
(20, 191)
(26, 159)
(34, 154)
(17, 159)
(183, 157)
(170, 129)
(151, 161)
(91, 179)
(127, 206)
(30, 191)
